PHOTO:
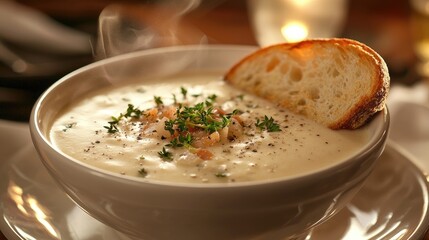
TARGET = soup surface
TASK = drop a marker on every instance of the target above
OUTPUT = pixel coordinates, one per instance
(196, 128)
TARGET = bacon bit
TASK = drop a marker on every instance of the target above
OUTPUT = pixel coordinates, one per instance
(151, 114)
(175, 135)
(169, 112)
(204, 154)
(219, 111)
(193, 130)
(206, 141)
(238, 118)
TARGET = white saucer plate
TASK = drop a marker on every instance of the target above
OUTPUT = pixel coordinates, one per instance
(393, 204)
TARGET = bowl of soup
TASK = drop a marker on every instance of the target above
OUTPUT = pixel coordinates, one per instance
(158, 146)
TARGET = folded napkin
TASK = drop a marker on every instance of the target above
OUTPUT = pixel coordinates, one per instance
(409, 111)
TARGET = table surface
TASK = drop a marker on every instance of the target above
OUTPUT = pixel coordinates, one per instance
(384, 27)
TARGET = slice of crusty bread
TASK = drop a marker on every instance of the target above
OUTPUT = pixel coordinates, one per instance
(339, 83)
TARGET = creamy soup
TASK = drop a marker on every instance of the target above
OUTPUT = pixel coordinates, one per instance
(196, 128)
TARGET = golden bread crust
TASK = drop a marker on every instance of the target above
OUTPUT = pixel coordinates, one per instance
(297, 76)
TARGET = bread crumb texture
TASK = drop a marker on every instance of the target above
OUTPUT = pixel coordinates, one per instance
(339, 83)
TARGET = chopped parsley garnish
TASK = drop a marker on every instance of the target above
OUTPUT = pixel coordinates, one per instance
(221, 174)
(184, 92)
(131, 112)
(165, 155)
(68, 126)
(174, 99)
(113, 125)
(169, 126)
(199, 116)
(143, 172)
(181, 141)
(158, 101)
(212, 98)
(268, 124)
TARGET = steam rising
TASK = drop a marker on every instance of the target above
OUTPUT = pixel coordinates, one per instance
(123, 29)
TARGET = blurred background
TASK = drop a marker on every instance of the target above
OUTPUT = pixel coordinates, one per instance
(43, 40)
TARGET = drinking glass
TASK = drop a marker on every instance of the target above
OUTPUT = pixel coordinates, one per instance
(276, 21)
(420, 31)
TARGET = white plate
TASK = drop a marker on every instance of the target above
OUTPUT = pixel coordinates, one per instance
(393, 204)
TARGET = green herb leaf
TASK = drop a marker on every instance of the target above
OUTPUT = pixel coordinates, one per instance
(165, 155)
(184, 92)
(268, 124)
(212, 98)
(69, 126)
(181, 141)
(143, 172)
(113, 125)
(186, 139)
(169, 126)
(133, 112)
(221, 174)
(199, 116)
(158, 101)
(174, 99)
(174, 143)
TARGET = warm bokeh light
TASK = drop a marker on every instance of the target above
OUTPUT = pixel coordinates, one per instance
(15, 193)
(301, 3)
(30, 207)
(39, 213)
(294, 31)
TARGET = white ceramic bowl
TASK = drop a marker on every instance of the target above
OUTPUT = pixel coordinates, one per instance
(253, 210)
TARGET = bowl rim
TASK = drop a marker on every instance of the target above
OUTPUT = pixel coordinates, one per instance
(37, 135)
